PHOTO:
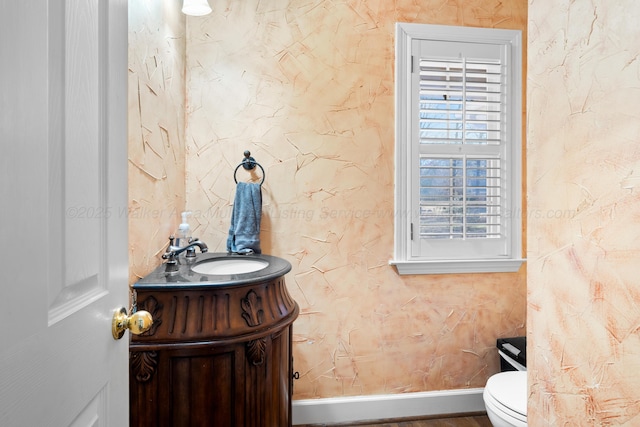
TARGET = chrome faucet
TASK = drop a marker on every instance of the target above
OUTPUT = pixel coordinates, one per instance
(172, 254)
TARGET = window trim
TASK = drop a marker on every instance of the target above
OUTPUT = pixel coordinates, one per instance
(404, 262)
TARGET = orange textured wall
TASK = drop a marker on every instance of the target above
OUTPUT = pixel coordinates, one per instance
(156, 108)
(584, 205)
(308, 87)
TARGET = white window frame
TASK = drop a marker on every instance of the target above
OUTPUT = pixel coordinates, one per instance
(406, 260)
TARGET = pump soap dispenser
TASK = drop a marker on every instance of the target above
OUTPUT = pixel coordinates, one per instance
(183, 235)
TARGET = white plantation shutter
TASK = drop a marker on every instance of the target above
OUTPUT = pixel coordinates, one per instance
(460, 104)
(462, 146)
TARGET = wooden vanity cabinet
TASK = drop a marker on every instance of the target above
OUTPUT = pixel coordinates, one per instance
(214, 356)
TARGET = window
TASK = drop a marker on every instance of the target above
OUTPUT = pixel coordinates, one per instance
(458, 149)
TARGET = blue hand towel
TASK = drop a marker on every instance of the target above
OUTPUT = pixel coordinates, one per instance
(244, 233)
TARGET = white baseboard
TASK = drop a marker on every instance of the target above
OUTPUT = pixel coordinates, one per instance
(387, 406)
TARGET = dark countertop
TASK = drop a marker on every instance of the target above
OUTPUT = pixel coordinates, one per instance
(186, 278)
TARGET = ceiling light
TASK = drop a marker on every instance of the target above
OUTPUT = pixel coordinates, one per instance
(196, 7)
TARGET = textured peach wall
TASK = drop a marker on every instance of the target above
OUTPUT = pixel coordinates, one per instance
(308, 87)
(584, 206)
(156, 130)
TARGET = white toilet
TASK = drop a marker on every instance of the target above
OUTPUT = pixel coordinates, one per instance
(505, 395)
(505, 399)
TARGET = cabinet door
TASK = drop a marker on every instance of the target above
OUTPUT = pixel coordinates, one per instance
(192, 387)
(277, 389)
(213, 384)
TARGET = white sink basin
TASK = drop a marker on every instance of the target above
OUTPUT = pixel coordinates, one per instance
(227, 266)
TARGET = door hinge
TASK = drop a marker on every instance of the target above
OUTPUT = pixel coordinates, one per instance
(412, 69)
(411, 231)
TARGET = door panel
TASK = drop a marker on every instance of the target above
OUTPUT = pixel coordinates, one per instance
(63, 225)
(78, 146)
(93, 412)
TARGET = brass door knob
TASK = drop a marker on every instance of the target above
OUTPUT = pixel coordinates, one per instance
(138, 323)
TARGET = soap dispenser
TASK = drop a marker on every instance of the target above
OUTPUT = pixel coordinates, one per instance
(183, 235)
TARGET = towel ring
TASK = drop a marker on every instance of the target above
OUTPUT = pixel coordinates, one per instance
(248, 163)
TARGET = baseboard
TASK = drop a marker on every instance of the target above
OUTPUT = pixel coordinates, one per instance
(387, 406)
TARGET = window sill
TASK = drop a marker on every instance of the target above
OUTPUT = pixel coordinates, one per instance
(458, 266)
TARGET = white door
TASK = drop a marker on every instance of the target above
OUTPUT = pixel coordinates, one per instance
(63, 222)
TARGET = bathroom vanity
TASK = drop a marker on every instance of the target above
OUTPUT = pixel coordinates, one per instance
(219, 350)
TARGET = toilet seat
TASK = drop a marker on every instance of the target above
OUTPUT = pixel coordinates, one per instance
(506, 394)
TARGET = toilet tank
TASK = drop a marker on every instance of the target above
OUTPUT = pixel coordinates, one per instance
(513, 353)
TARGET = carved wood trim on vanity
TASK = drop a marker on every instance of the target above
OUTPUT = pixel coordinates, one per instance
(143, 364)
(215, 313)
(252, 309)
(254, 315)
(256, 350)
(152, 305)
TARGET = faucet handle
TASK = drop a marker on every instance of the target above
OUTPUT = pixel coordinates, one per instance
(172, 246)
